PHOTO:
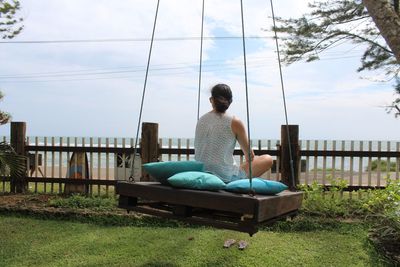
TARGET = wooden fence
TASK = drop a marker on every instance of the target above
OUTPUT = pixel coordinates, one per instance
(362, 164)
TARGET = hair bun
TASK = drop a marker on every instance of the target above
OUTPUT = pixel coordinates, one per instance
(222, 96)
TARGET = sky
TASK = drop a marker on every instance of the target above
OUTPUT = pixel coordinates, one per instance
(94, 89)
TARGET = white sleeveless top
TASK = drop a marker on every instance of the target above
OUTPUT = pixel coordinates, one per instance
(214, 145)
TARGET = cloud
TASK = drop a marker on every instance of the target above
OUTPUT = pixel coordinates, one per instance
(326, 98)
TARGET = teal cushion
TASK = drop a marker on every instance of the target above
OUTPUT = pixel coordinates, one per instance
(161, 171)
(260, 186)
(197, 180)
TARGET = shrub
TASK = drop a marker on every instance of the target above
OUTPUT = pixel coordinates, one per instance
(382, 165)
(82, 202)
(385, 235)
(384, 200)
(330, 203)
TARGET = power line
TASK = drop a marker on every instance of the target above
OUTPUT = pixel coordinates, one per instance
(137, 77)
(154, 72)
(190, 38)
(138, 68)
(83, 73)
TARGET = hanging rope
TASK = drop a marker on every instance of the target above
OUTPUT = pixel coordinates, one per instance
(143, 94)
(247, 98)
(201, 60)
(283, 95)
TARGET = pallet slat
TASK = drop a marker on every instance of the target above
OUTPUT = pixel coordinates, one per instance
(251, 209)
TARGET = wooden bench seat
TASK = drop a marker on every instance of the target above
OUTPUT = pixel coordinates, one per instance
(222, 209)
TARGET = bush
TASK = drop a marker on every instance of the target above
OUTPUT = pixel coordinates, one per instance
(384, 200)
(385, 235)
(82, 202)
(384, 204)
(330, 203)
(382, 165)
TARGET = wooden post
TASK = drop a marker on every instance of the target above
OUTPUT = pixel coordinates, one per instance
(290, 142)
(149, 146)
(18, 136)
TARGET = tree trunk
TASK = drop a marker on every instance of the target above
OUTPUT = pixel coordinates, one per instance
(387, 21)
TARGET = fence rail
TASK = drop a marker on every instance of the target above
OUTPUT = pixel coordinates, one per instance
(362, 164)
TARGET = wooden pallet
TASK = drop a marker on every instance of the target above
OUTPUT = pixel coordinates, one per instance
(239, 212)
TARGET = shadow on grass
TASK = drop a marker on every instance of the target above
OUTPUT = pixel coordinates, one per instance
(158, 263)
(299, 224)
(377, 257)
(309, 224)
(100, 219)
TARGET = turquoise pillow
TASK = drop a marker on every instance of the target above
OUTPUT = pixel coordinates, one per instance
(197, 180)
(161, 171)
(260, 186)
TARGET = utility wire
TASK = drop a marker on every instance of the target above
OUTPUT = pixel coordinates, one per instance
(66, 74)
(139, 76)
(190, 38)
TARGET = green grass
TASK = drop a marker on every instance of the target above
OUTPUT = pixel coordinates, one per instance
(26, 241)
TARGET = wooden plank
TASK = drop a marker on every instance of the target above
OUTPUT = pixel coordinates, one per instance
(99, 140)
(91, 166)
(260, 207)
(369, 163)
(45, 163)
(315, 161)
(149, 146)
(334, 160)
(270, 207)
(290, 156)
(388, 158)
(324, 158)
(223, 201)
(17, 141)
(351, 166)
(176, 151)
(179, 149)
(123, 160)
(108, 160)
(52, 164)
(307, 163)
(378, 182)
(168, 152)
(187, 148)
(60, 164)
(360, 168)
(85, 167)
(67, 158)
(247, 227)
(268, 147)
(36, 163)
(160, 144)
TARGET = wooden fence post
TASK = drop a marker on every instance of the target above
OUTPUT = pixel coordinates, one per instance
(149, 146)
(18, 137)
(290, 142)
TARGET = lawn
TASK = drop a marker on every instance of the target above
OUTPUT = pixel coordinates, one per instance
(26, 241)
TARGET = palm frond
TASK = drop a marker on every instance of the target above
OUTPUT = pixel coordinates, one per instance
(10, 162)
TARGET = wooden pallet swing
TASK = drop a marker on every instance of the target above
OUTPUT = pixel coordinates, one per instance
(239, 212)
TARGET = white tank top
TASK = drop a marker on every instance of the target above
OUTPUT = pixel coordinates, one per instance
(214, 145)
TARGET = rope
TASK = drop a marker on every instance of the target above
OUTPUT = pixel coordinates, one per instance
(247, 98)
(201, 60)
(143, 94)
(283, 94)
